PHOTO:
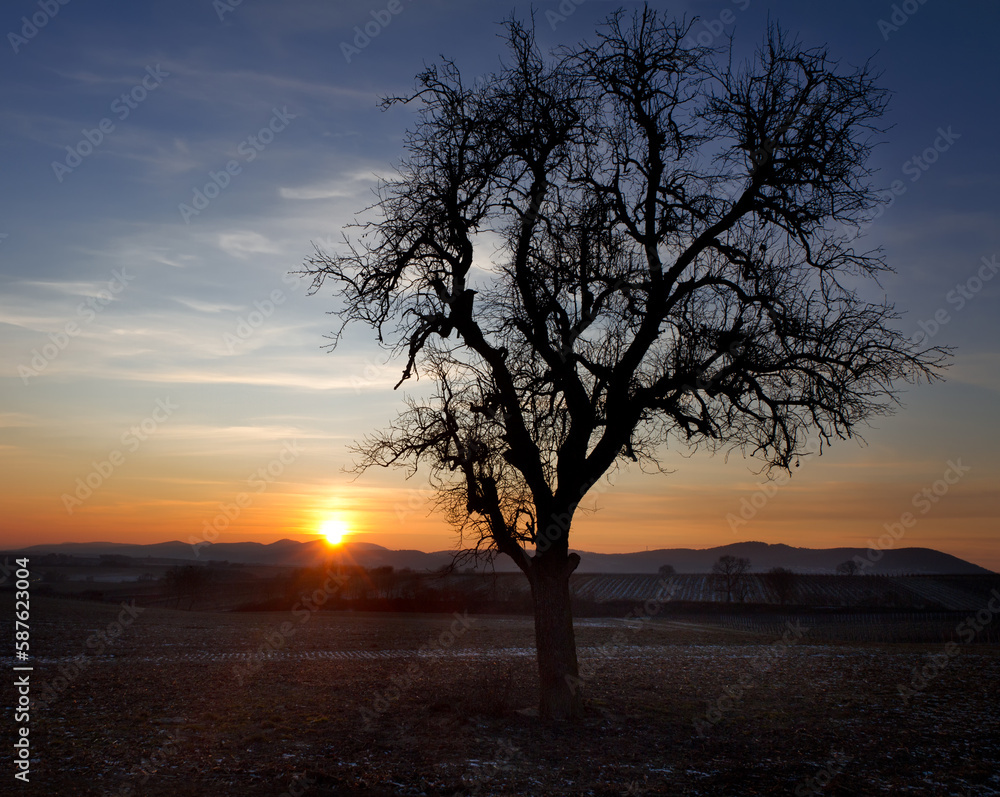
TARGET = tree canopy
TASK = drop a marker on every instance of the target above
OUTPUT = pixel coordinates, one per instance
(626, 244)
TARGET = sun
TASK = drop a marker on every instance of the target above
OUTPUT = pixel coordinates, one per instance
(334, 530)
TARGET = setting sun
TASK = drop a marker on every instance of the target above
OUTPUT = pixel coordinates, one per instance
(334, 530)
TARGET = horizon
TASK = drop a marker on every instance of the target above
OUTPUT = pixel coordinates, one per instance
(346, 542)
(343, 544)
(164, 376)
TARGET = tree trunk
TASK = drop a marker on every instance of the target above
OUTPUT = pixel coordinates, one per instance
(559, 681)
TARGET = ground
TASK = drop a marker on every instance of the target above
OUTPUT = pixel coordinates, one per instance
(182, 703)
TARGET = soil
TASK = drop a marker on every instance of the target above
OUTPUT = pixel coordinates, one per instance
(188, 703)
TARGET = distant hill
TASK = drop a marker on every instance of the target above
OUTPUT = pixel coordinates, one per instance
(762, 556)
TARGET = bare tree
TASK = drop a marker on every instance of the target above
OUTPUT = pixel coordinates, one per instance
(632, 242)
(848, 568)
(731, 576)
(782, 581)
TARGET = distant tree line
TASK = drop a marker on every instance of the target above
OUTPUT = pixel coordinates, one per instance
(386, 588)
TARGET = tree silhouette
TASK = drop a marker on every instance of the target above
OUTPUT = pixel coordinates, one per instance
(731, 576)
(848, 568)
(782, 581)
(632, 242)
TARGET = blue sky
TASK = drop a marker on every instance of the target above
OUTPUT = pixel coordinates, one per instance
(199, 309)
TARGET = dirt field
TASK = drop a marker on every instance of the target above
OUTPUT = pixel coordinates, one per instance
(181, 703)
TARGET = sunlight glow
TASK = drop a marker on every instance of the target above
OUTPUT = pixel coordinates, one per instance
(334, 530)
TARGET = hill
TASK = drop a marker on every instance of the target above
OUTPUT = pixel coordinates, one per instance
(763, 557)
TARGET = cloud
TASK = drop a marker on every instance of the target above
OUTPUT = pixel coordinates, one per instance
(247, 89)
(207, 307)
(329, 191)
(242, 243)
(350, 184)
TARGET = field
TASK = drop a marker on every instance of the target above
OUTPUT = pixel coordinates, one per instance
(222, 586)
(349, 703)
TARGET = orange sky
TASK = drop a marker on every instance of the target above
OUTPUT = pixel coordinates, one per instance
(172, 488)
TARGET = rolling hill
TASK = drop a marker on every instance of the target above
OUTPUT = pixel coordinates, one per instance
(763, 557)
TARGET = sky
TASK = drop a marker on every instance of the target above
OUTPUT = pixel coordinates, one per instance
(167, 166)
